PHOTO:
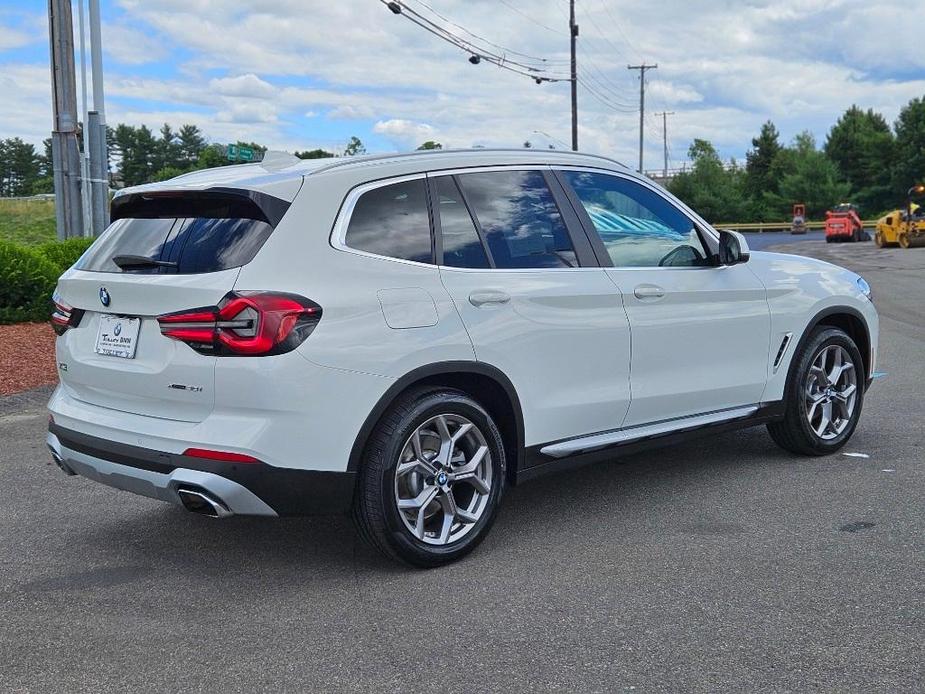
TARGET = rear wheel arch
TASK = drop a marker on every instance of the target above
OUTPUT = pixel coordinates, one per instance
(845, 318)
(482, 382)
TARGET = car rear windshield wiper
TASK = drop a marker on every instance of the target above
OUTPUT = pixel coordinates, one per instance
(127, 262)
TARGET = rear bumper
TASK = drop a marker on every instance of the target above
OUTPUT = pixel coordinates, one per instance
(254, 489)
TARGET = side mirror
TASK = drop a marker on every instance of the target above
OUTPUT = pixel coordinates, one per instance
(733, 248)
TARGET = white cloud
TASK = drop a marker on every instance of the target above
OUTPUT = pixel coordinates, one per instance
(352, 112)
(12, 38)
(248, 111)
(404, 133)
(131, 46)
(248, 85)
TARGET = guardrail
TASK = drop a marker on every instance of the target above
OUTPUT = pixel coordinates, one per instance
(762, 227)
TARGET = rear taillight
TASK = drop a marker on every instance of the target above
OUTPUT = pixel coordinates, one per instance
(64, 316)
(245, 324)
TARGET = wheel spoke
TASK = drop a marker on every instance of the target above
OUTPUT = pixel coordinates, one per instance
(447, 526)
(420, 465)
(469, 469)
(448, 501)
(462, 431)
(846, 393)
(821, 376)
(446, 441)
(481, 486)
(826, 421)
(465, 517)
(421, 500)
(813, 399)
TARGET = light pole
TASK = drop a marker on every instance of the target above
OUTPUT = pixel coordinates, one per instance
(64, 151)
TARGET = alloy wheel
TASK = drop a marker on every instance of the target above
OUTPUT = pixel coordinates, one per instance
(443, 479)
(831, 392)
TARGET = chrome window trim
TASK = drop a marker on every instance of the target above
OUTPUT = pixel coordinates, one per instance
(339, 232)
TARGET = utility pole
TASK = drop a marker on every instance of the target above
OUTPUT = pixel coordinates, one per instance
(642, 102)
(99, 150)
(64, 150)
(573, 35)
(664, 115)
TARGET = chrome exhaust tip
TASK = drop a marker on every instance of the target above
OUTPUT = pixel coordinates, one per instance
(201, 502)
(59, 461)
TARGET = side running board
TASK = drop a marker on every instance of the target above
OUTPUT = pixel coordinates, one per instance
(593, 442)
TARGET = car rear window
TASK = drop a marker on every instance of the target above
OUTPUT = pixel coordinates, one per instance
(190, 237)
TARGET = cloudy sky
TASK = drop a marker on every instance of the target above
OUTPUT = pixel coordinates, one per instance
(297, 74)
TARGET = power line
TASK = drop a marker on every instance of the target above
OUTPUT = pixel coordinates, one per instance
(505, 49)
(602, 96)
(591, 89)
(610, 43)
(619, 29)
(528, 17)
(605, 84)
(478, 53)
(470, 46)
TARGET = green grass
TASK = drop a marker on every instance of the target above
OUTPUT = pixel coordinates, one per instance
(27, 222)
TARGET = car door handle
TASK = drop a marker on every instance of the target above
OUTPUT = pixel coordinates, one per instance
(488, 297)
(649, 292)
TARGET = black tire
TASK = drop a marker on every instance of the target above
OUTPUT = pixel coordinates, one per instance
(793, 433)
(375, 510)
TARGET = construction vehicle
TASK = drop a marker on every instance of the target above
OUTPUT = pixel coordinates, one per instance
(906, 227)
(798, 226)
(843, 223)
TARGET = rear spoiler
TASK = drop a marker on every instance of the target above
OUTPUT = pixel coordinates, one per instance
(214, 203)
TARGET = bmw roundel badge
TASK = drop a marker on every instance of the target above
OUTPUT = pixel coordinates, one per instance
(104, 297)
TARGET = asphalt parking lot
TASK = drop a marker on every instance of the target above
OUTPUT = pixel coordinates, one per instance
(724, 564)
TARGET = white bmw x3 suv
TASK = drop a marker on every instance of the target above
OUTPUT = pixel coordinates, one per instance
(406, 335)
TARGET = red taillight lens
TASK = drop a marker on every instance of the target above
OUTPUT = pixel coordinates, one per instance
(224, 456)
(63, 316)
(245, 323)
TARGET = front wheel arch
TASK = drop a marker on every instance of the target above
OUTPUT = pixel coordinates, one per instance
(845, 318)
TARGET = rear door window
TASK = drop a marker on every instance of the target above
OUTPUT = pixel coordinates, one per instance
(519, 218)
(392, 221)
(461, 244)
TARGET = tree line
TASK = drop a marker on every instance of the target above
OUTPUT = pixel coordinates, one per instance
(136, 155)
(863, 160)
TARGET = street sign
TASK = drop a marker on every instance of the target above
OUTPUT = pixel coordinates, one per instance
(240, 153)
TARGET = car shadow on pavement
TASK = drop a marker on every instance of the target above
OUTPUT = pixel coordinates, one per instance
(624, 490)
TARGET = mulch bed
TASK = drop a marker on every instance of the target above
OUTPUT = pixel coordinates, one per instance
(27, 357)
